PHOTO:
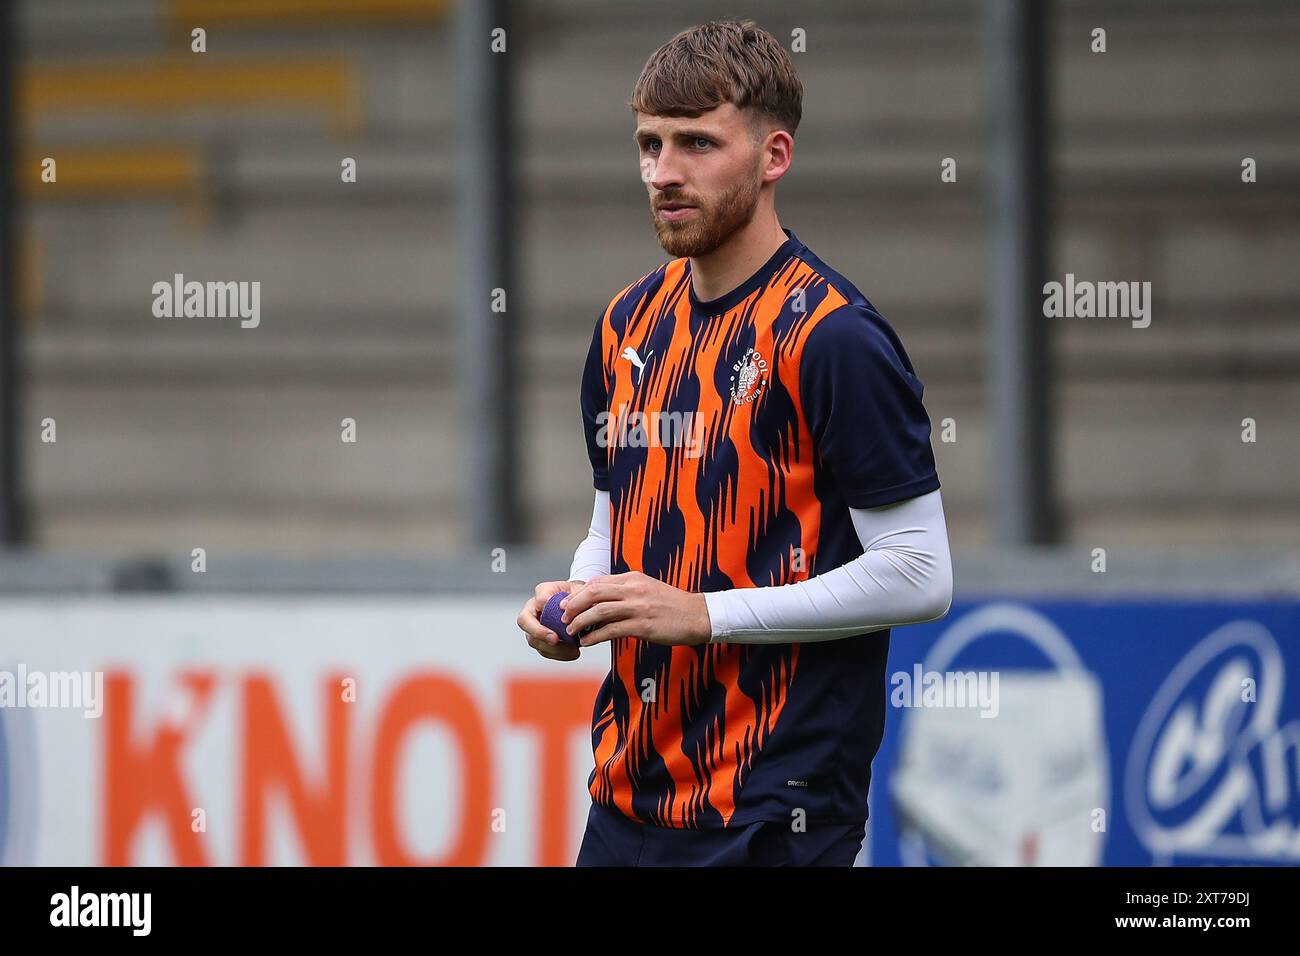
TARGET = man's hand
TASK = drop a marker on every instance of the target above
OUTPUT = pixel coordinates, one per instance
(637, 605)
(540, 637)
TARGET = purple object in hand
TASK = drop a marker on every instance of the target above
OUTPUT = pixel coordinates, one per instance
(551, 615)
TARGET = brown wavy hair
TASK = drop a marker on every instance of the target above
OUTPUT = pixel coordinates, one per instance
(722, 61)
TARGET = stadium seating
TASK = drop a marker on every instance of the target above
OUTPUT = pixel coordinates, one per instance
(225, 165)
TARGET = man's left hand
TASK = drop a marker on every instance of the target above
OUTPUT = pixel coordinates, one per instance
(636, 605)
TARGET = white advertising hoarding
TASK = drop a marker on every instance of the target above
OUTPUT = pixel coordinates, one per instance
(288, 731)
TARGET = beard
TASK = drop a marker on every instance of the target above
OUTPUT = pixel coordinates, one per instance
(712, 224)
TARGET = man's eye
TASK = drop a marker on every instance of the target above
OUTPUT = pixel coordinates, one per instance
(652, 145)
(702, 143)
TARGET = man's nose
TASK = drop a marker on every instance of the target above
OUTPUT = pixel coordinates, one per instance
(665, 174)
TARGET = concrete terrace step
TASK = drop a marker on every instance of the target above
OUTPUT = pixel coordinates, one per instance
(182, 352)
(1121, 440)
(390, 267)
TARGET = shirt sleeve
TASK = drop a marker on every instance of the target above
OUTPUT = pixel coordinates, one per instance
(862, 400)
(594, 400)
(591, 558)
(904, 576)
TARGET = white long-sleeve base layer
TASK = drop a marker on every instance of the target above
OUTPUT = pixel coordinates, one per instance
(904, 576)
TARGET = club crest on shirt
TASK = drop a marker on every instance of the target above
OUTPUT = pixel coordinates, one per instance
(749, 376)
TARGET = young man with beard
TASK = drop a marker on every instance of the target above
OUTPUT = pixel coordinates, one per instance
(746, 591)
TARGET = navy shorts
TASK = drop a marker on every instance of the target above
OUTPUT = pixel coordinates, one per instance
(611, 839)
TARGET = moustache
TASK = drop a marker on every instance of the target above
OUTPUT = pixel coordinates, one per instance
(677, 201)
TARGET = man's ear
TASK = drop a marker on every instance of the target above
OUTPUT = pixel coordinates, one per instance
(782, 149)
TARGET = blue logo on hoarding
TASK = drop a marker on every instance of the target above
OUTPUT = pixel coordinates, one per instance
(1214, 770)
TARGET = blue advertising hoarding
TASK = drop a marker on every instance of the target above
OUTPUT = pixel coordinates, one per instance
(1070, 732)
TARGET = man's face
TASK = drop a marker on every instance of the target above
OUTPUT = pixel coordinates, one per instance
(703, 175)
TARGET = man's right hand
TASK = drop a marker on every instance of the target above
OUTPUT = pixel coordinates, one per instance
(540, 637)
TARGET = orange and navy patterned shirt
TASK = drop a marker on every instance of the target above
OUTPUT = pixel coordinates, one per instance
(733, 436)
